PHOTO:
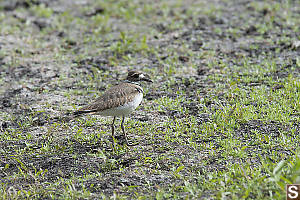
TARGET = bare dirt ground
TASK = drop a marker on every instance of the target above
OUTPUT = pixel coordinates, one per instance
(225, 97)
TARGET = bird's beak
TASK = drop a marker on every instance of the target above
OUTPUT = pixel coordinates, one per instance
(147, 79)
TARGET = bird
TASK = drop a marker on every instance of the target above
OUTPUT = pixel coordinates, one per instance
(118, 101)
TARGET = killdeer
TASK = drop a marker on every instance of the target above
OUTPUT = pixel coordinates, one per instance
(119, 100)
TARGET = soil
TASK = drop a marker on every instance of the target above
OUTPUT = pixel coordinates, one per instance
(34, 83)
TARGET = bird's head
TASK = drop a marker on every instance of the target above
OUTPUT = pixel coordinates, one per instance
(135, 76)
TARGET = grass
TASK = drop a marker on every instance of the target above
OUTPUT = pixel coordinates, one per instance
(220, 121)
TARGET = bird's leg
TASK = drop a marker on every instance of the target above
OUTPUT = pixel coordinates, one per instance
(113, 129)
(122, 126)
(125, 135)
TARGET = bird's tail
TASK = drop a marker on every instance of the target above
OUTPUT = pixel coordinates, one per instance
(81, 112)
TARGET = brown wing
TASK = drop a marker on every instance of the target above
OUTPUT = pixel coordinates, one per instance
(114, 97)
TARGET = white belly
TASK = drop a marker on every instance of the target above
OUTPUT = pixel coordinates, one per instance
(125, 109)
